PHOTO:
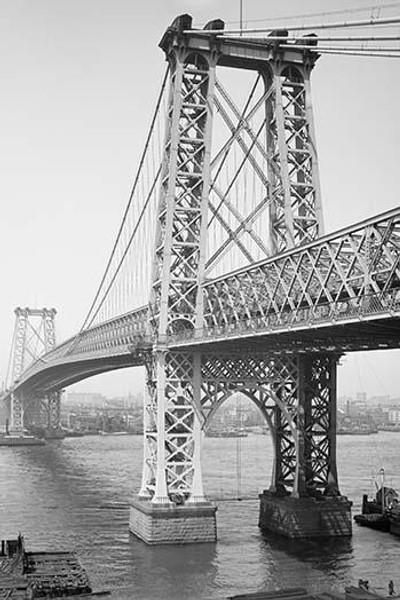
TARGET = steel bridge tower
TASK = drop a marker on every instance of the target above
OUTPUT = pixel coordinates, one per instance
(34, 336)
(295, 392)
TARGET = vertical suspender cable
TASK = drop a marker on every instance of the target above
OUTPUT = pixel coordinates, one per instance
(153, 122)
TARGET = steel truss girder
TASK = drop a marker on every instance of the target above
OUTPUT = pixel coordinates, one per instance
(352, 274)
(296, 394)
(122, 335)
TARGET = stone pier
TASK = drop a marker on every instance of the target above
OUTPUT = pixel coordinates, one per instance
(327, 516)
(171, 524)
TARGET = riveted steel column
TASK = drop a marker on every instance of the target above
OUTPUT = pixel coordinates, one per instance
(178, 271)
(54, 410)
(296, 210)
(17, 412)
(160, 490)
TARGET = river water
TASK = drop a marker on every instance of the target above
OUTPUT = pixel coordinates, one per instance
(71, 494)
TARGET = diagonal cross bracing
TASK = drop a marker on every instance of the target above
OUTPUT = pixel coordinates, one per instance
(352, 274)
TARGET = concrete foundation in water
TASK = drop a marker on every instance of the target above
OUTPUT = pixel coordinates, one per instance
(328, 516)
(171, 524)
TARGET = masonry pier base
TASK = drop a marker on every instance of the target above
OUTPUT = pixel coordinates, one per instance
(328, 516)
(171, 524)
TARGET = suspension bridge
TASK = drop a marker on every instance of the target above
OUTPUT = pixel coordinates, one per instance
(222, 279)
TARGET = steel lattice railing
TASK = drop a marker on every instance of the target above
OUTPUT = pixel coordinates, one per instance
(333, 312)
(117, 336)
(351, 274)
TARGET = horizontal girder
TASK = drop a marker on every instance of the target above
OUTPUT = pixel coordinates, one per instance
(349, 277)
(252, 54)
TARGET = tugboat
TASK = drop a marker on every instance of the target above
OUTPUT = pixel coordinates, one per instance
(380, 512)
(394, 517)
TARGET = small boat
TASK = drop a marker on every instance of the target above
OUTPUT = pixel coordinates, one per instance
(393, 427)
(73, 433)
(383, 512)
(227, 433)
(363, 429)
(394, 518)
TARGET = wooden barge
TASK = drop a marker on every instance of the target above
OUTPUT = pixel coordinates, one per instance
(20, 440)
(31, 575)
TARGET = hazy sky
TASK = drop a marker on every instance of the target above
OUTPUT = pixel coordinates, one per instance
(79, 79)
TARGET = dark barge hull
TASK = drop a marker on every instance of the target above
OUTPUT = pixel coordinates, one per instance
(375, 521)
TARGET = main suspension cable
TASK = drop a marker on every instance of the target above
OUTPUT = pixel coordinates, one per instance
(334, 25)
(325, 13)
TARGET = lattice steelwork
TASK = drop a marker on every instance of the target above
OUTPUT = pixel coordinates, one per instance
(195, 386)
(284, 388)
(272, 383)
(265, 193)
(53, 409)
(239, 198)
(34, 335)
(296, 200)
(180, 237)
(172, 466)
(353, 273)
(317, 423)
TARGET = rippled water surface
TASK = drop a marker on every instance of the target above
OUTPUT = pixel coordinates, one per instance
(61, 496)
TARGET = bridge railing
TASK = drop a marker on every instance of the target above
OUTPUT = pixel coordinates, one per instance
(120, 331)
(387, 302)
(342, 275)
(114, 336)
